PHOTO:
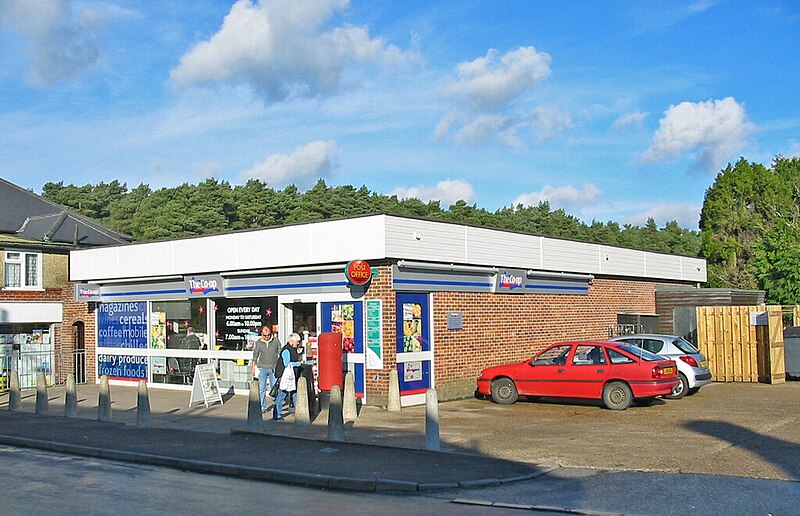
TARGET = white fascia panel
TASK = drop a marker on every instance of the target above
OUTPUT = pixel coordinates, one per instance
(31, 312)
(88, 264)
(694, 269)
(308, 244)
(153, 259)
(424, 240)
(202, 255)
(567, 256)
(663, 266)
(501, 249)
(617, 261)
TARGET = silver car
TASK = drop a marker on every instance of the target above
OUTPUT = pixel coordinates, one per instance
(692, 365)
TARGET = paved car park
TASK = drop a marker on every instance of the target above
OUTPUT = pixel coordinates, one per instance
(735, 429)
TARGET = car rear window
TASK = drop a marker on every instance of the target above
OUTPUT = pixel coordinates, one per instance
(685, 346)
(641, 353)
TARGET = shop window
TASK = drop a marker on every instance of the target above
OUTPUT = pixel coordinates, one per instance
(238, 321)
(172, 324)
(22, 270)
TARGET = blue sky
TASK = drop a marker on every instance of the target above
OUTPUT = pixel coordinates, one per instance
(611, 110)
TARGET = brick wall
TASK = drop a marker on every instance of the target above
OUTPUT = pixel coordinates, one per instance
(503, 328)
(79, 312)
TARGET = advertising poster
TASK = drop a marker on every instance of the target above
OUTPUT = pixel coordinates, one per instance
(374, 335)
(239, 320)
(412, 371)
(122, 367)
(122, 325)
(412, 327)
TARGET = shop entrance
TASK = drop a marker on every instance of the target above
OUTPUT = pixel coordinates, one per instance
(304, 319)
(414, 351)
(348, 319)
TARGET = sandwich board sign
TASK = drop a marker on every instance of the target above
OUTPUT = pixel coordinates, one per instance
(205, 384)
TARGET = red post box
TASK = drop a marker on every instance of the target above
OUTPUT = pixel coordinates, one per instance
(330, 361)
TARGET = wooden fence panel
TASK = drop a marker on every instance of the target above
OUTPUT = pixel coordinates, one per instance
(728, 340)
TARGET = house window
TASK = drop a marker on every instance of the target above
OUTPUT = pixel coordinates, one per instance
(23, 270)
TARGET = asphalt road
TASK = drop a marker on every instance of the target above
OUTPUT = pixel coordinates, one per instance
(46, 482)
(52, 483)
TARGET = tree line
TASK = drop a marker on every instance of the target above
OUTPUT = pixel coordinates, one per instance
(749, 225)
(214, 206)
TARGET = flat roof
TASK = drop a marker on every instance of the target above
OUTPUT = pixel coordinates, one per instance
(375, 237)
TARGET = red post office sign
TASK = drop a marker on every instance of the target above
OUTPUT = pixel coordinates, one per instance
(358, 272)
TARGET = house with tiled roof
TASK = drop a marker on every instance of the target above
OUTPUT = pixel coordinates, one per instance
(42, 328)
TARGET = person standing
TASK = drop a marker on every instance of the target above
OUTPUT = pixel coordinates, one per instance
(265, 357)
(290, 357)
(191, 340)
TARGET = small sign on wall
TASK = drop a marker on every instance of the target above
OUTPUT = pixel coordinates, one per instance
(455, 321)
(759, 318)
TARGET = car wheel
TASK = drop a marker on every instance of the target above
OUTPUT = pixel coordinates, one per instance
(693, 391)
(681, 389)
(504, 391)
(617, 395)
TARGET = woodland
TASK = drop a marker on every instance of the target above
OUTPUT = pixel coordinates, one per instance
(749, 230)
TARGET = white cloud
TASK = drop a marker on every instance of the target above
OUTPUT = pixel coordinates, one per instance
(282, 50)
(687, 215)
(714, 131)
(634, 119)
(447, 192)
(549, 122)
(493, 81)
(486, 127)
(566, 197)
(208, 170)
(487, 95)
(794, 149)
(62, 38)
(303, 167)
(476, 129)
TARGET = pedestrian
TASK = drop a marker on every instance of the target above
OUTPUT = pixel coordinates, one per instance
(288, 364)
(191, 340)
(265, 357)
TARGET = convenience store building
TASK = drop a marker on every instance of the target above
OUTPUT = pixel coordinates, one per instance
(440, 302)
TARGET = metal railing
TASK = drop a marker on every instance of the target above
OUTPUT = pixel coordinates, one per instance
(55, 365)
(615, 330)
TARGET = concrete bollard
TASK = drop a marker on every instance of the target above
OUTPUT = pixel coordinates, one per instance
(254, 421)
(104, 400)
(71, 397)
(41, 393)
(432, 441)
(142, 405)
(335, 420)
(302, 412)
(14, 394)
(394, 392)
(349, 409)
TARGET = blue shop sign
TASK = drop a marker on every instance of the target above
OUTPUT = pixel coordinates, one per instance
(122, 325)
(122, 367)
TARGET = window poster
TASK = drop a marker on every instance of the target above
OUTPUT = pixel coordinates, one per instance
(158, 330)
(239, 320)
(412, 327)
(122, 325)
(122, 367)
(343, 321)
(412, 371)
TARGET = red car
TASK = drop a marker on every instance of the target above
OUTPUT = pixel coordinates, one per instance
(615, 372)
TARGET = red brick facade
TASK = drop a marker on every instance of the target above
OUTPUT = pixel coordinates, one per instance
(501, 328)
(497, 328)
(63, 338)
